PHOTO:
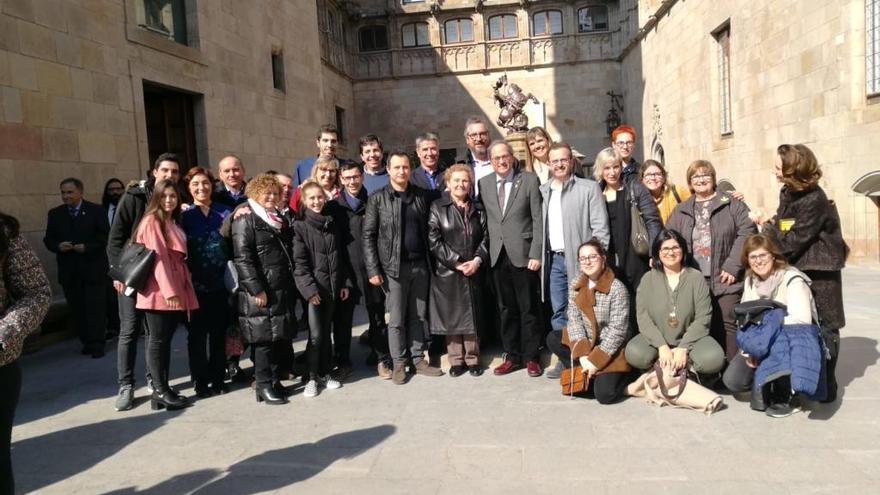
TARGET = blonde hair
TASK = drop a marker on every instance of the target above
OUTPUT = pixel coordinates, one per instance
(605, 156)
(260, 184)
(458, 167)
(325, 162)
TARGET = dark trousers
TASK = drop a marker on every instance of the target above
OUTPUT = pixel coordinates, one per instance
(266, 357)
(161, 326)
(206, 340)
(131, 322)
(407, 304)
(319, 348)
(378, 330)
(607, 388)
(342, 319)
(10, 388)
(112, 309)
(87, 302)
(723, 327)
(519, 309)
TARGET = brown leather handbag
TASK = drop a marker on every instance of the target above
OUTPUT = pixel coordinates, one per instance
(573, 379)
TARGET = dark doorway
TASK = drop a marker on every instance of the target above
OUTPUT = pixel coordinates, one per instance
(171, 123)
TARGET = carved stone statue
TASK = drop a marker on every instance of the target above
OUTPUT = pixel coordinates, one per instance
(511, 99)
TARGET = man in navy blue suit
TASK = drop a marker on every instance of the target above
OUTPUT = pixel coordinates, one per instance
(429, 175)
(77, 233)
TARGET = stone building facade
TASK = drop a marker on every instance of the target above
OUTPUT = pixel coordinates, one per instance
(730, 81)
(95, 89)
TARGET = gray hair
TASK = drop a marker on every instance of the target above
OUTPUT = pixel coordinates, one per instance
(500, 142)
(474, 120)
(428, 136)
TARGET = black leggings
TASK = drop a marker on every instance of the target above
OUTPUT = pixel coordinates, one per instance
(161, 325)
(10, 388)
(319, 349)
(607, 388)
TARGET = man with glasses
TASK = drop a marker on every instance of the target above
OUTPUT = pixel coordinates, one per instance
(623, 139)
(573, 212)
(476, 133)
(513, 214)
(353, 201)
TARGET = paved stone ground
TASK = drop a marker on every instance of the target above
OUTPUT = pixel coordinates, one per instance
(510, 434)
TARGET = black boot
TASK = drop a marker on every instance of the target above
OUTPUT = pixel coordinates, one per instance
(168, 400)
(267, 394)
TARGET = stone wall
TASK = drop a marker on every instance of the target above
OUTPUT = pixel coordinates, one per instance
(573, 96)
(797, 76)
(72, 103)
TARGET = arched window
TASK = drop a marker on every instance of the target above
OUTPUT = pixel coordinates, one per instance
(546, 23)
(373, 38)
(415, 34)
(593, 18)
(458, 31)
(502, 27)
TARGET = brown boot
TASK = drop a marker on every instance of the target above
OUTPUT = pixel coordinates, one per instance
(398, 376)
(423, 368)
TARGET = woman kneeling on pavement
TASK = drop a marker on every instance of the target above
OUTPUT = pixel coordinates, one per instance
(458, 236)
(261, 243)
(770, 277)
(598, 312)
(674, 312)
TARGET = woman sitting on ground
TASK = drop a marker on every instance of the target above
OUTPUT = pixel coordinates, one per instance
(598, 312)
(770, 277)
(674, 312)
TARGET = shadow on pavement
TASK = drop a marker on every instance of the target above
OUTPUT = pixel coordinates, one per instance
(857, 354)
(273, 469)
(41, 461)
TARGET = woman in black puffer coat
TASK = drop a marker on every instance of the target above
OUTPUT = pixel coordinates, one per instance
(261, 242)
(807, 229)
(322, 276)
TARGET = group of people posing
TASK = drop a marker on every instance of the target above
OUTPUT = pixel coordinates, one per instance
(624, 264)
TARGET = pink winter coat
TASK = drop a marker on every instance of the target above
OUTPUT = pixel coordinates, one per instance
(170, 276)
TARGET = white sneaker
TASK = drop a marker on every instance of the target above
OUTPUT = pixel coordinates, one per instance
(311, 389)
(331, 383)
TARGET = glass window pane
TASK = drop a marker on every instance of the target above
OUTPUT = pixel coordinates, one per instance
(592, 19)
(555, 22)
(452, 32)
(409, 35)
(509, 26)
(422, 38)
(495, 28)
(467, 30)
(539, 24)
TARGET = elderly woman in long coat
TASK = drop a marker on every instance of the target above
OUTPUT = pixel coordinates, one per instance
(458, 236)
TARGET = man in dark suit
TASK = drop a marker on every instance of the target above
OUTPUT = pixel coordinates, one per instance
(229, 190)
(77, 233)
(429, 176)
(513, 209)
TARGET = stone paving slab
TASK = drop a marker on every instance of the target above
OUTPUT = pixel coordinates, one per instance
(511, 434)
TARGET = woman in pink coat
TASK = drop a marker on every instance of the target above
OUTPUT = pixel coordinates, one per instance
(168, 293)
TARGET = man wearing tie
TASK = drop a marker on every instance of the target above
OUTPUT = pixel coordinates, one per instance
(77, 233)
(513, 210)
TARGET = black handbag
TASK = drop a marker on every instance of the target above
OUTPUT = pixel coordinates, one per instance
(638, 234)
(135, 265)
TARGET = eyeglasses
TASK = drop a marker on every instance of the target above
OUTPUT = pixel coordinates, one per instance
(701, 177)
(760, 257)
(670, 250)
(590, 258)
(561, 161)
(500, 158)
(625, 144)
(475, 135)
(655, 175)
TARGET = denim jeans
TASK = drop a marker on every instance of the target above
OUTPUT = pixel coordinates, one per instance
(558, 288)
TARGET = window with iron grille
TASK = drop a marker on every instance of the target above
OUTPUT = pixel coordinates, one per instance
(547, 22)
(872, 48)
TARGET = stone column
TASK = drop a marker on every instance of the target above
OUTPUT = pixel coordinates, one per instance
(517, 141)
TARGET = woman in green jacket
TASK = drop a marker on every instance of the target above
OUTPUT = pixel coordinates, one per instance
(674, 311)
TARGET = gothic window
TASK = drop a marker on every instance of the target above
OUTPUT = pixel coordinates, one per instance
(502, 27)
(593, 18)
(415, 34)
(722, 42)
(547, 22)
(458, 31)
(372, 38)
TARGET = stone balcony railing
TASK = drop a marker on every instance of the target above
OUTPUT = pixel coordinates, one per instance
(471, 57)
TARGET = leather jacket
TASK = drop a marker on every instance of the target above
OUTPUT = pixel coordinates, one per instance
(382, 229)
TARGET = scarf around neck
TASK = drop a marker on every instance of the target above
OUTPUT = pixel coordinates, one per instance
(270, 217)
